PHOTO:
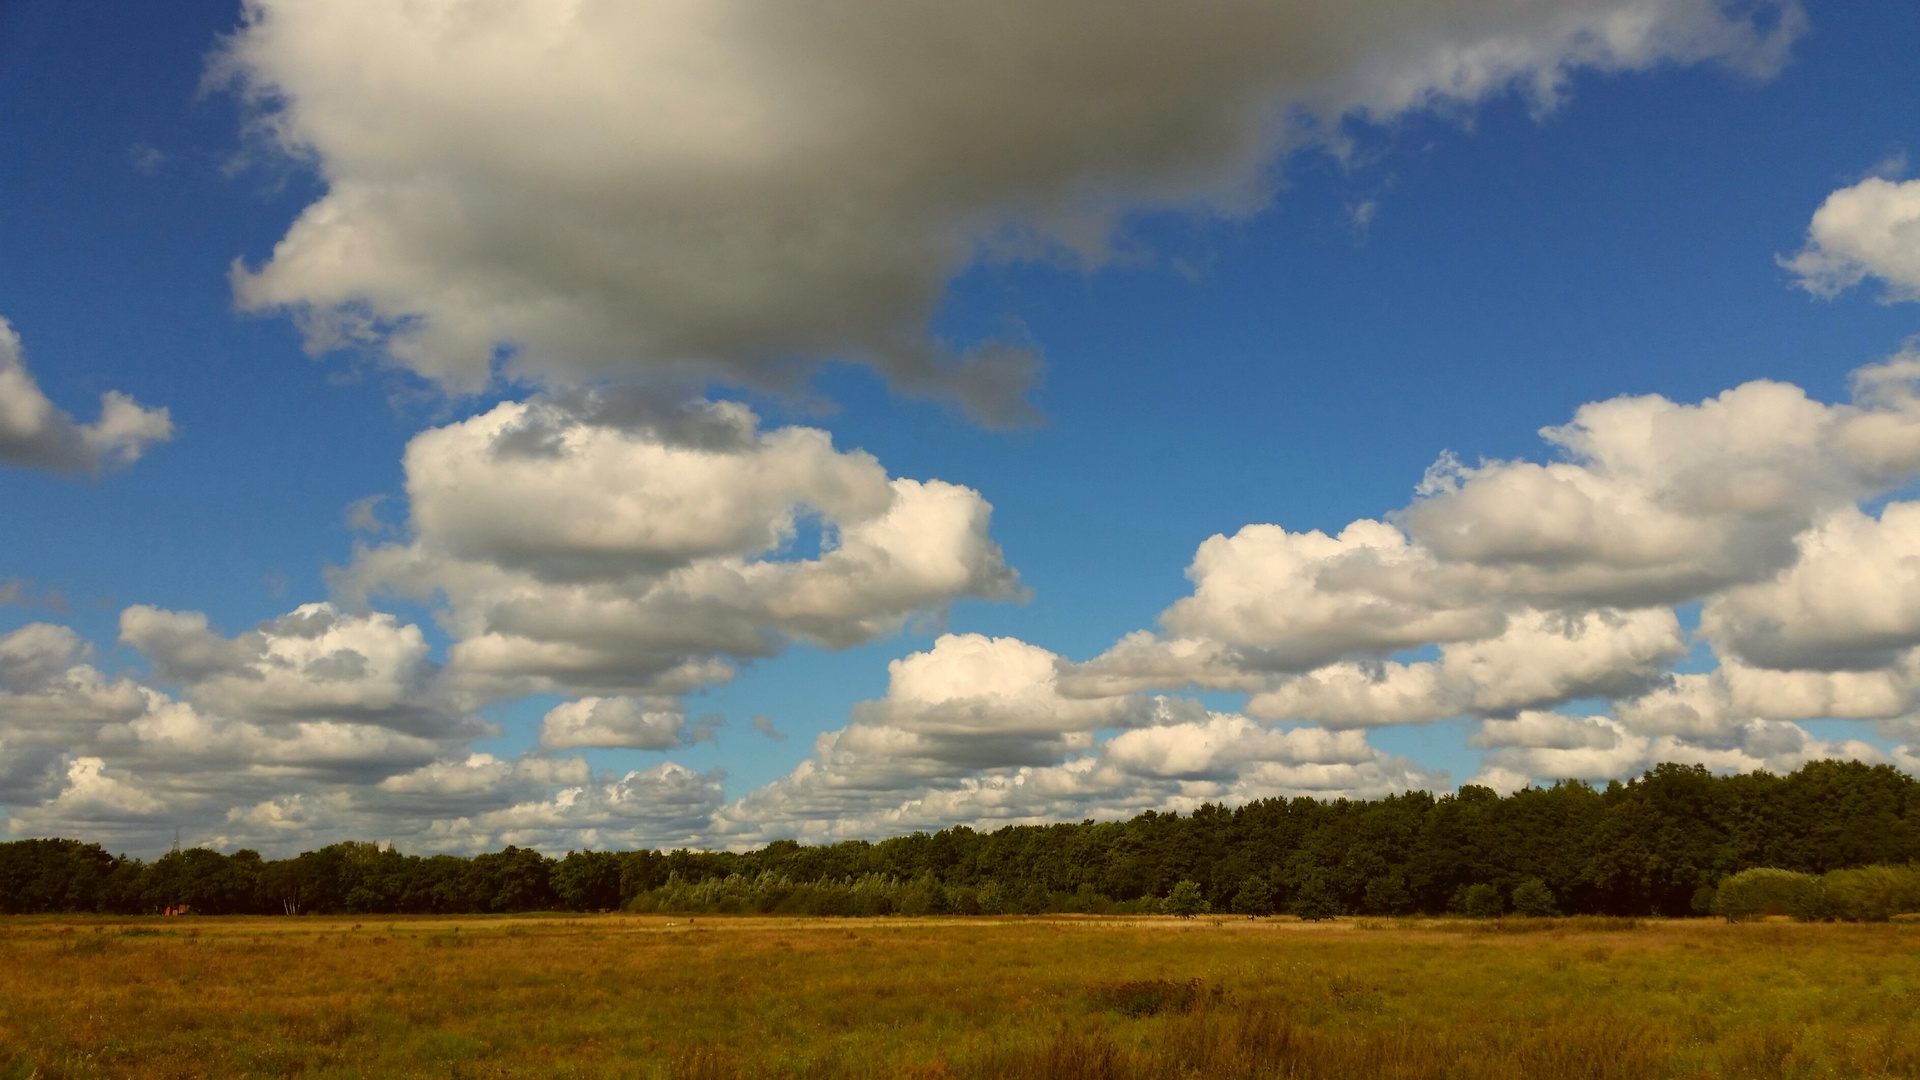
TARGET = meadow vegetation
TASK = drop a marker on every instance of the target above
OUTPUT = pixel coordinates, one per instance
(1099, 998)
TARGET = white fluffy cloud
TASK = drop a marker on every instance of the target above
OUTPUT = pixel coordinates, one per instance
(590, 545)
(1707, 705)
(1532, 585)
(1545, 747)
(723, 190)
(315, 662)
(1543, 583)
(35, 432)
(1850, 601)
(1657, 503)
(636, 723)
(1539, 659)
(1871, 229)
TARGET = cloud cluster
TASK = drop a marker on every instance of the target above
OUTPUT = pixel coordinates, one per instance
(592, 545)
(977, 731)
(315, 726)
(720, 191)
(1528, 586)
(314, 701)
(597, 546)
(1533, 745)
(36, 433)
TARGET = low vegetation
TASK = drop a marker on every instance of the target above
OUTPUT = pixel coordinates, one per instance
(1065, 998)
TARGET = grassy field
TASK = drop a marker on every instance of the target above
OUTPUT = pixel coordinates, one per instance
(630, 996)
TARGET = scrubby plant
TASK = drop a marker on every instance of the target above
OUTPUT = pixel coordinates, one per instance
(1478, 902)
(1151, 997)
(1532, 897)
(1871, 893)
(1750, 894)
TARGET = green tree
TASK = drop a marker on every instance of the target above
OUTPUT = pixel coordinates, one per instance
(1315, 900)
(1186, 900)
(1254, 897)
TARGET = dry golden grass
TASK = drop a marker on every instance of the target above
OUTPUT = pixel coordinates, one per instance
(634, 996)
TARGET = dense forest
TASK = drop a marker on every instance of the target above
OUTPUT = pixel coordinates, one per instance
(1655, 845)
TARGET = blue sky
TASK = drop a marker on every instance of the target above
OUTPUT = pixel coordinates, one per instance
(1452, 273)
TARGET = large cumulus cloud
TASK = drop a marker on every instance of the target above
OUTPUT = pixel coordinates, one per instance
(734, 191)
(589, 545)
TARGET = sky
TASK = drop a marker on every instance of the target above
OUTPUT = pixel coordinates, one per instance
(595, 425)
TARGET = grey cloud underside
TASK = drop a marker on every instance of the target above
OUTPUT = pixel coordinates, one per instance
(35, 433)
(735, 192)
(593, 544)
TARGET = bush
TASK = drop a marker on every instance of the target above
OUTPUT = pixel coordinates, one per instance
(1871, 893)
(1532, 897)
(1478, 902)
(1186, 900)
(1750, 894)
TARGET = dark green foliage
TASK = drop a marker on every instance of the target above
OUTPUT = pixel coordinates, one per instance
(1315, 901)
(587, 881)
(1388, 895)
(61, 875)
(1255, 897)
(1654, 846)
(206, 881)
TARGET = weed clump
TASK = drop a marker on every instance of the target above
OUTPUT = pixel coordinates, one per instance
(1522, 924)
(1151, 997)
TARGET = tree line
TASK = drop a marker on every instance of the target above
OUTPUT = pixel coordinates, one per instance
(1657, 845)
